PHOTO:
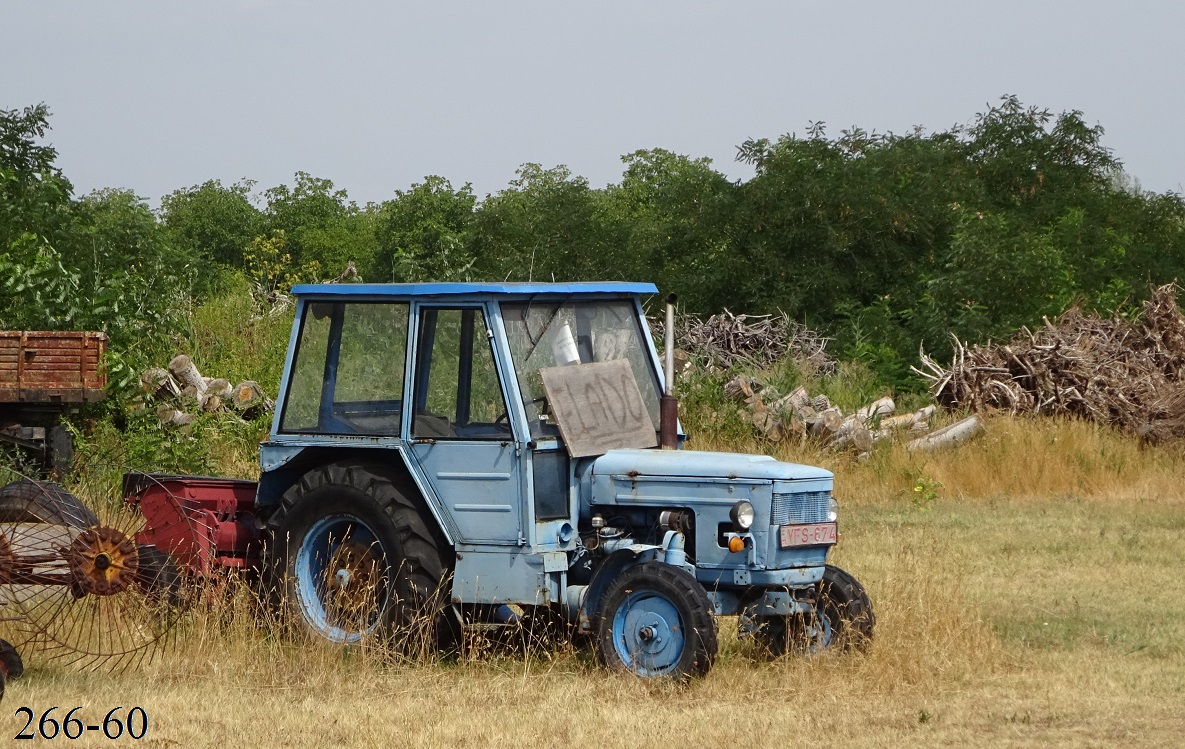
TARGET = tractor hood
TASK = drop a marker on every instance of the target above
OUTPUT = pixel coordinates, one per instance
(695, 464)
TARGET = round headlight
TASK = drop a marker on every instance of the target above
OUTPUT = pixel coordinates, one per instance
(832, 509)
(742, 515)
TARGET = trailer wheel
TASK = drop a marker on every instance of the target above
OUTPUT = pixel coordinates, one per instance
(60, 447)
(842, 618)
(157, 575)
(353, 556)
(28, 501)
(10, 661)
(11, 666)
(655, 620)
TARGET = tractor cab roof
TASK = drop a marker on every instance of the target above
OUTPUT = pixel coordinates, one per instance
(404, 290)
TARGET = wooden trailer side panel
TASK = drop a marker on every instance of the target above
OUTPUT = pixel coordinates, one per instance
(52, 366)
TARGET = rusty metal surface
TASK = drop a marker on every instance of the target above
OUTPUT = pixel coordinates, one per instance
(52, 366)
(103, 561)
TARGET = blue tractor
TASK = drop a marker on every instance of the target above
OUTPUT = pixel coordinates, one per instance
(490, 452)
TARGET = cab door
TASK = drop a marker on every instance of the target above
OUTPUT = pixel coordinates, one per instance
(459, 428)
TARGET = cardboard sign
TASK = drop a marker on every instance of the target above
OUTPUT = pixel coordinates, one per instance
(598, 407)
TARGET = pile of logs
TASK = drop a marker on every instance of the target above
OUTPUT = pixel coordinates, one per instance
(181, 392)
(803, 417)
(725, 340)
(1126, 374)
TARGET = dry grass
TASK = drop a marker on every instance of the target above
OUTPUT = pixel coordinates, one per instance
(1037, 602)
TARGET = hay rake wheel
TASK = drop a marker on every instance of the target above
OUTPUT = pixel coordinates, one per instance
(75, 587)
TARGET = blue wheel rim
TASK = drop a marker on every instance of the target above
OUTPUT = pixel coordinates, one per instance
(819, 633)
(337, 552)
(649, 635)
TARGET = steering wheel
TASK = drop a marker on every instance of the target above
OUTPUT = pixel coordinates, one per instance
(505, 415)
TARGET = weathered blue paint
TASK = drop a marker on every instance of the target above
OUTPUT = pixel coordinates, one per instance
(719, 466)
(657, 653)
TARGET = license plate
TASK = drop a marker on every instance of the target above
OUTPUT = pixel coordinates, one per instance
(812, 534)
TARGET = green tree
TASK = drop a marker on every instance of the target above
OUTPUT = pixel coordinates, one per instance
(212, 221)
(35, 198)
(548, 224)
(321, 224)
(424, 233)
(676, 213)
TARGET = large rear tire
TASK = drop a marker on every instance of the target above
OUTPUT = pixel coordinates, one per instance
(353, 556)
(655, 620)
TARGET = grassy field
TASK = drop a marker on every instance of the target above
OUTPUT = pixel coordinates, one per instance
(1027, 586)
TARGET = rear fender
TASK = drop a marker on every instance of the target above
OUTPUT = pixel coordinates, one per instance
(286, 466)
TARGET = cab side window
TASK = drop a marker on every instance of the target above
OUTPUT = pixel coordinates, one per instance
(458, 394)
(347, 377)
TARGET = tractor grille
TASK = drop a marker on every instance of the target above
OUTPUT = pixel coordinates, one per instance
(806, 507)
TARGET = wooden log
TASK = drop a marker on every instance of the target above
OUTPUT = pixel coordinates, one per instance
(796, 400)
(921, 420)
(891, 424)
(170, 416)
(950, 436)
(249, 400)
(247, 394)
(219, 386)
(878, 408)
(740, 388)
(827, 423)
(158, 383)
(917, 423)
(192, 383)
(856, 437)
(806, 414)
(795, 424)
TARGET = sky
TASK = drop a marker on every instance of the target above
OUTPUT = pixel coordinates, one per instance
(158, 95)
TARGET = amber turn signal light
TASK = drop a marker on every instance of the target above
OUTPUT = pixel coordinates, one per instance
(735, 544)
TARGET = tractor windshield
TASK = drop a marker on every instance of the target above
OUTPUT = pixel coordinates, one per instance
(557, 333)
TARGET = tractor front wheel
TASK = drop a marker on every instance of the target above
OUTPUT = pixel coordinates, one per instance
(353, 556)
(656, 620)
(841, 618)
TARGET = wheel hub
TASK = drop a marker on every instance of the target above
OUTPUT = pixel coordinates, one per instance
(353, 582)
(103, 561)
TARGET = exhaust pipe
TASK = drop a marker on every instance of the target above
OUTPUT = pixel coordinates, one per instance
(669, 405)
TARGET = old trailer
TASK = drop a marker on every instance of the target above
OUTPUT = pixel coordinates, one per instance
(43, 376)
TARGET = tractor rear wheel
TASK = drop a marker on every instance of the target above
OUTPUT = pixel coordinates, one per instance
(354, 556)
(656, 620)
